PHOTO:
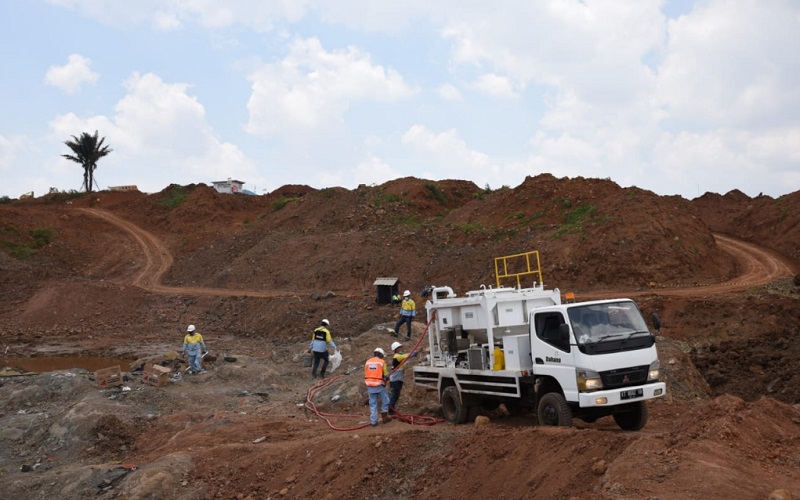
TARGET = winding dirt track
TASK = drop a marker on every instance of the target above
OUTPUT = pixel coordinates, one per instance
(758, 265)
(158, 260)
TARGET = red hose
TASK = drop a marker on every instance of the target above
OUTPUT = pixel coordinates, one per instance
(404, 417)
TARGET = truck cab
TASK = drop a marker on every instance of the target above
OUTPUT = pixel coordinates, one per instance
(600, 357)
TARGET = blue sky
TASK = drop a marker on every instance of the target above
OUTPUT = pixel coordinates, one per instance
(677, 97)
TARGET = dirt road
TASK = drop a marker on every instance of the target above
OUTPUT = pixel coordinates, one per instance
(758, 266)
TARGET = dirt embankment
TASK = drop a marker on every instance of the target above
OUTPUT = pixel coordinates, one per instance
(122, 274)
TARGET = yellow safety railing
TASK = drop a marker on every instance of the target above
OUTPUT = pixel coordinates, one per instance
(501, 266)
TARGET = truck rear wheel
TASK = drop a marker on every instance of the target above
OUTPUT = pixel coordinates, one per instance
(633, 420)
(452, 408)
(554, 410)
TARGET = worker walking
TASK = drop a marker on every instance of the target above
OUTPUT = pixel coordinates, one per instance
(397, 375)
(375, 375)
(319, 346)
(194, 346)
(408, 309)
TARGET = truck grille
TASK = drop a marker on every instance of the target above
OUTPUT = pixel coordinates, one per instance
(624, 377)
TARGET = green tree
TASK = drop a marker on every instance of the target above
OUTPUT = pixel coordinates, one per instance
(87, 150)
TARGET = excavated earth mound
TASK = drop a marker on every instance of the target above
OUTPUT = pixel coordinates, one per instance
(120, 275)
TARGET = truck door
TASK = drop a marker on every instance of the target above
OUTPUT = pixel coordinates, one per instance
(551, 350)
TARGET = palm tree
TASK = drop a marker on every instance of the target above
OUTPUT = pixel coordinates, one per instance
(87, 151)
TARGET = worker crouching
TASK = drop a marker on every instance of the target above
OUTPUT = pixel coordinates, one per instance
(376, 374)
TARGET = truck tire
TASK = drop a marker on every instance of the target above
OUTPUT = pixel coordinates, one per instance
(453, 409)
(633, 420)
(554, 410)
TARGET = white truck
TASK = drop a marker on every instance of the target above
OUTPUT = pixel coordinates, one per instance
(524, 348)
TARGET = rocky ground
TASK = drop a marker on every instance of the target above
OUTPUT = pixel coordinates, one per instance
(120, 275)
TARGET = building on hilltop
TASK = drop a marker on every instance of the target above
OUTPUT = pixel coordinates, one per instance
(231, 186)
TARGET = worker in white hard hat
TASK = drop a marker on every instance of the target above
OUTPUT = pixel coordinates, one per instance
(375, 376)
(194, 346)
(408, 309)
(319, 347)
(397, 374)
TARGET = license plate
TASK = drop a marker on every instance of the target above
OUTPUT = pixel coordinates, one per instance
(630, 394)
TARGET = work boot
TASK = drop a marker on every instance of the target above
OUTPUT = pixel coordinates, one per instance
(322, 375)
(385, 418)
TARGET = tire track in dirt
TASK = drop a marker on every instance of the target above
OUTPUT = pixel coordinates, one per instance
(759, 266)
(158, 260)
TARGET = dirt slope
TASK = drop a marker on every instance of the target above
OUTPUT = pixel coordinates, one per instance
(123, 273)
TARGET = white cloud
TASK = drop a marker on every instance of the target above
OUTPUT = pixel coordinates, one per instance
(724, 65)
(312, 86)
(160, 131)
(10, 149)
(448, 147)
(72, 75)
(495, 86)
(373, 170)
(172, 14)
(450, 92)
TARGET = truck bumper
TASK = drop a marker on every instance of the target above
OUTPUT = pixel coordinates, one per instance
(625, 395)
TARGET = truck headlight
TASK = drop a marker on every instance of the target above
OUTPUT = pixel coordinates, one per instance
(588, 380)
(652, 373)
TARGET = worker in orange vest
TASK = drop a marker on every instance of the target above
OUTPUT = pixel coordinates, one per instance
(376, 373)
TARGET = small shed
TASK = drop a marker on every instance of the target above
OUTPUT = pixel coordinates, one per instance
(386, 288)
(230, 186)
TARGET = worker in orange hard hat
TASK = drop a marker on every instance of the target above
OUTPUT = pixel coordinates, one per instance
(375, 376)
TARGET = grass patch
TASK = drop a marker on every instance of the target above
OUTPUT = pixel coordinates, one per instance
(38, 238)
(175, 198)
(436, 193)
(281, 202)
(574, 219)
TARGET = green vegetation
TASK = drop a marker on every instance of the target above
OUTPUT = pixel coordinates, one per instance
(412, 221)
(281, 202)
(469, 227)
(87, 151)
(175, 198)
(381, 199)
(38, 238)
(5, 200)
(64, 196)
(436, 193)
(479, 195)
(574, 219)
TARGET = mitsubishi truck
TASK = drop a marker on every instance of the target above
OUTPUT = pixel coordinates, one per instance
(525, 349)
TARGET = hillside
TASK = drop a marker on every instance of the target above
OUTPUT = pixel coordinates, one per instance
(121, 275)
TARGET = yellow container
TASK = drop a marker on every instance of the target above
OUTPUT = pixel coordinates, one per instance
(499, 359)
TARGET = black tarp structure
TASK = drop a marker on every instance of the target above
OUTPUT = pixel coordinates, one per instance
(386, 287)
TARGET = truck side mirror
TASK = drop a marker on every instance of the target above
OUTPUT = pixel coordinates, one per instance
(563, 332)
(656, 322)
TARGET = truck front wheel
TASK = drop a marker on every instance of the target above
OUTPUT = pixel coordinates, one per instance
(634, 419)
(452, 408)
(554, 410)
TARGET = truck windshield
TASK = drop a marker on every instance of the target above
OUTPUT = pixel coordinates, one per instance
(596, 323)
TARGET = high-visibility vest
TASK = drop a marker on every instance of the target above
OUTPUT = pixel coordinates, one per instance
(321, 333)
(373, 372)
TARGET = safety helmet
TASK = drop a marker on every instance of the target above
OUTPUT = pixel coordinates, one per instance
(378, 350)
(395, 345)
(190, 329)
(406, 294)
(326, 322)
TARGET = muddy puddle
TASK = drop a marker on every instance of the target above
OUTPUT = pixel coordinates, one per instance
(54, 363)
